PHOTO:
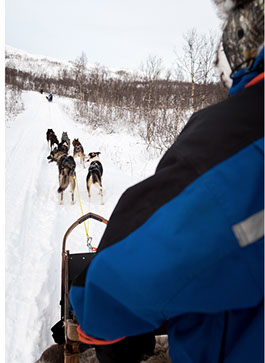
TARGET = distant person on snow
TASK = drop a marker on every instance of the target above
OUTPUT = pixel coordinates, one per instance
(50, 97)
(186, 245)
(41, 91)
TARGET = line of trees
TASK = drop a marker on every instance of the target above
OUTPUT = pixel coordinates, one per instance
(153, 101)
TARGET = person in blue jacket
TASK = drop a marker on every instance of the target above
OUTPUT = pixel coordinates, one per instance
(185, 246)
(50, 97)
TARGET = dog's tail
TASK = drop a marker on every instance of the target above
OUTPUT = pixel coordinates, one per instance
(64, 182)
(96, 179)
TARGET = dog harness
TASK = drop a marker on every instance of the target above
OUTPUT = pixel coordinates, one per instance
(95, 166)
(67, 164)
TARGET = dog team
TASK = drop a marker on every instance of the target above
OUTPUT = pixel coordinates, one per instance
(59, 152)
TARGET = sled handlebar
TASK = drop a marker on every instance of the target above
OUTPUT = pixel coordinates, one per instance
(65, 261)
(79, 221)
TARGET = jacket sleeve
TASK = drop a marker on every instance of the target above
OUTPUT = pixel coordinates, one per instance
(185, 257)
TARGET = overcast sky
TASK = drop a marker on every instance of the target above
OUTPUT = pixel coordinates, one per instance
(114, 33)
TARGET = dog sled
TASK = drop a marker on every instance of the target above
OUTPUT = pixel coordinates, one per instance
(73, 264)
(65, 331)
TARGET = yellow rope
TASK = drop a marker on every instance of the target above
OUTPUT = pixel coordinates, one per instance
(88, 212)
(81, 170)
(81, 207)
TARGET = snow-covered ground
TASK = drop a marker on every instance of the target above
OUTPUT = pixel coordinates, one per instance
(37, 64)
(43, 65)
(35, 222)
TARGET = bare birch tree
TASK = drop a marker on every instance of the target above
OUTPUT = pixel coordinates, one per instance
(207, 54)
(80, 73)
(151, 69)
(80, 76)
(197, 61)
(190, 62)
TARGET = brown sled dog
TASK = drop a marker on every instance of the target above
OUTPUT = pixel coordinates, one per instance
(94, 175)
(66, 166)
(78, 151)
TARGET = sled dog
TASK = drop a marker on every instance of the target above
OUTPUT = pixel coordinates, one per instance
(66, 166)
(62, 146)
(51, 138)
(94, 175)
(78, 151)
(65, 139)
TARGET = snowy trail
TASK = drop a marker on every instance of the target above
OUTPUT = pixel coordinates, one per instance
(36, 223)
(30, 209)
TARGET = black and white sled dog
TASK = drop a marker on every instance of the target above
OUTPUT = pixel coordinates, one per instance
(51, 138)
(65, 139)
(94, 175)
(66, 166)
(78, 151)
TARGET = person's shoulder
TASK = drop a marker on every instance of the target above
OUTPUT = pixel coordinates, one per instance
(244, 102)
(226, 126)
(242, 109)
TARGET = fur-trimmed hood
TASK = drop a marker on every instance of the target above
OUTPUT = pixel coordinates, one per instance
(243, 36)
(226, 7)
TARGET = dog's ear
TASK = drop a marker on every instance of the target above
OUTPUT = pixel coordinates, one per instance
(98, 153)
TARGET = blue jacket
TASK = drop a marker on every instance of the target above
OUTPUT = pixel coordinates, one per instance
(186, 245)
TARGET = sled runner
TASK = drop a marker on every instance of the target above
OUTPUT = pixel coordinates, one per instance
(65, 331)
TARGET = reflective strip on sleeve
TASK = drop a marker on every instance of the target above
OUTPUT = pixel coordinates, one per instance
(250, 230)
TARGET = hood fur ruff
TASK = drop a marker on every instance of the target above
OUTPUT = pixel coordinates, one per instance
(242, 38)
(226, 7)
(54, 354)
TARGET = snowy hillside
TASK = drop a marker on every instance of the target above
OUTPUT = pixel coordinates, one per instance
(42, 65)
(32, 63)
(36, 223)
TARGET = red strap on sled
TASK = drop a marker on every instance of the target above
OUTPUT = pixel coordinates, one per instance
(95, 341)
(255, 80)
